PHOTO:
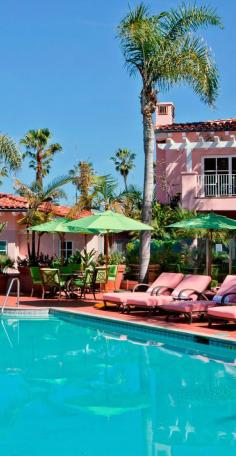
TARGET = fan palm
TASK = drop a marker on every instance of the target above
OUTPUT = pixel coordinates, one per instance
(164, 50)
(36, 196)
(10, 157)
(124, 163)
(40, 152)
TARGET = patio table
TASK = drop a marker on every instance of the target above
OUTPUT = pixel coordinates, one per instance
(69, 276)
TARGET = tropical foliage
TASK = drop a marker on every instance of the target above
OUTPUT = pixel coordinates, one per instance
(124, 163)
(10, 156)
(36, 196)
(40, 152)
(164, 50)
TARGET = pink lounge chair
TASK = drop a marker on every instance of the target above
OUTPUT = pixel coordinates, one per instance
(164, 284)
(222, 314)
(190, 288)
(226, 292)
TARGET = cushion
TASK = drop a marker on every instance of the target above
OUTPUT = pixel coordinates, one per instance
(229, 285)
(147, 300)
(168, 279)
(227, 312)
(192, 282)
(188, 306)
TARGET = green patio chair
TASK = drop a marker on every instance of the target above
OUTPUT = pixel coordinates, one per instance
(51, 280)
(112, 272)
(36, 278)
(101, 277)
(85, 284)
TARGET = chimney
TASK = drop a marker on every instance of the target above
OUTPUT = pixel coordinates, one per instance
(165, 114)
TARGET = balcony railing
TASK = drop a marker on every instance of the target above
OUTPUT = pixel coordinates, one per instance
(216, 185)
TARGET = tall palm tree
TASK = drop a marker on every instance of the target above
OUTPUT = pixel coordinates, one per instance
(164, 50)
(36, 196)
(124, 163)
(10, 156)
(40, 152)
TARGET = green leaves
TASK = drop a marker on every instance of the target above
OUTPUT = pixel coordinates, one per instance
(165, 50)
(10, 156)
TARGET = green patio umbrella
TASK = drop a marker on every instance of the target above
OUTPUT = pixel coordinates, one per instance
(60, 226)
(108, 222)
(210, 222)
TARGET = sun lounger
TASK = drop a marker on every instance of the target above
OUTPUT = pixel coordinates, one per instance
(164, 285)
(226, 292)
(222, 314)
(191, 287)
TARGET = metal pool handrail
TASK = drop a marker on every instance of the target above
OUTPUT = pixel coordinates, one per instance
(15, 279)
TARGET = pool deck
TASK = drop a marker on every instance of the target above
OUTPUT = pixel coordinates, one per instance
(218, 330)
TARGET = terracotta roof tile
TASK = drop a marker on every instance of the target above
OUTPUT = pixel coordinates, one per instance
(209, 125)
(14, 202)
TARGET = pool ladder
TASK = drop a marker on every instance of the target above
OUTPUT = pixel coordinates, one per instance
(15, 279)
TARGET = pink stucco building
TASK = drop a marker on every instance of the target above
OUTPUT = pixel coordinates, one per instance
(196, 162)
(13, 239)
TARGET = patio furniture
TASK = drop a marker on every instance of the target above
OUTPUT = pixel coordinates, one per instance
(112, 272)
(86, 283)
(36, 278)
(223, 314)
(191, 287)
(164, 284)
(226, 292)
(51, 280)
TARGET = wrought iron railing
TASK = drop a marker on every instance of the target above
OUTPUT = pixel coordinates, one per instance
(216, 185)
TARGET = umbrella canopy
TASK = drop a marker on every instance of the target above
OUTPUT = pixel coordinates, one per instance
(108, 222)
(210, 221)
(58, 226)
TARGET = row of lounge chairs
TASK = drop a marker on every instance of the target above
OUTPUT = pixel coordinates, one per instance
(175, 294)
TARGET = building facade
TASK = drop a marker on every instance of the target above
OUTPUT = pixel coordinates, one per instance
(13, 239)
(196, 162)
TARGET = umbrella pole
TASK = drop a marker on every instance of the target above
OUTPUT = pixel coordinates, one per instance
(62, 239)
(209, 254)
(230, 255)
(106, 252)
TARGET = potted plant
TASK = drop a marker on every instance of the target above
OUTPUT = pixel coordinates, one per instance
(5, 263)
(116, 258)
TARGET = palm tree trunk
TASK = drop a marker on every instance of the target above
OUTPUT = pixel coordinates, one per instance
(149, 143)
(125, 182)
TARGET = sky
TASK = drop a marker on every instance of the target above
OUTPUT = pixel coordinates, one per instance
(62, 68)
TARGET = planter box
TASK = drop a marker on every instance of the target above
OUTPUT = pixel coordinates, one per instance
(25, 279)
(3, 283)
(114, 285)
(153, 272)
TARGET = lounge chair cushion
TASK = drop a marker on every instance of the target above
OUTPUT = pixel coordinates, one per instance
(192, 282)
(227, 312)
(229, 285)
(146, 300)
(188, 306)
(171, 279)
(168, 280)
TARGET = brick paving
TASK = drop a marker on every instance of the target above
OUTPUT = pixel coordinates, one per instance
(90, 306)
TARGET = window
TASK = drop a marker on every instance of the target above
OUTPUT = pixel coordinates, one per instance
(67, 249)
(3, 247)
(162, 110)
(219, 176)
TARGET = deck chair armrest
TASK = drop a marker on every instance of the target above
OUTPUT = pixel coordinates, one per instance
(156, 291)
(140, 285)
(226, 295)
(188, 298)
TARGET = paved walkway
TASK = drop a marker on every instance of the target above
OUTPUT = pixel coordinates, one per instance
(87, 306)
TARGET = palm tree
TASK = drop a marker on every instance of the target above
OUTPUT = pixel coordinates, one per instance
(106, 196)
(36, 196)
(124, 163)
(10, 157)
(40, 152)
(131, 202)
(164, 50)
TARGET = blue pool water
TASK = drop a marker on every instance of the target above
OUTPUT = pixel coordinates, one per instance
(81, 388)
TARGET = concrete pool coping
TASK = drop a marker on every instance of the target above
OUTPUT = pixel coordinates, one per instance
(208, 339)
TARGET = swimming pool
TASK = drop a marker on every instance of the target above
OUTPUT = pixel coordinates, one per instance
(86, 388)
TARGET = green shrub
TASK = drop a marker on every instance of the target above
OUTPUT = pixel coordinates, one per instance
(5, 262)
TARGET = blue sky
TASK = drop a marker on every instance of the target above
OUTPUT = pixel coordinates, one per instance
(61, 68)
